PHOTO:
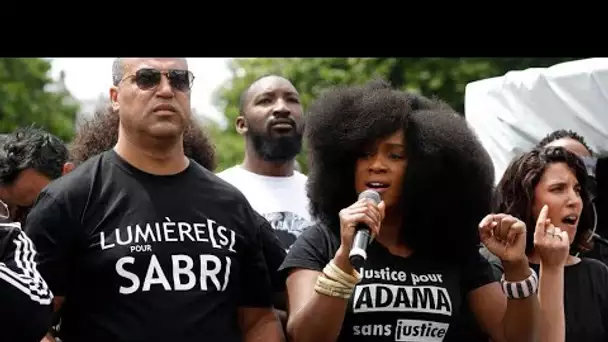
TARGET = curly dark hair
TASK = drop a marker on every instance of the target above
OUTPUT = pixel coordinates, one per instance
(100, 134)
(31, 148)
(514, 194)
(561, 134)
(449, 178)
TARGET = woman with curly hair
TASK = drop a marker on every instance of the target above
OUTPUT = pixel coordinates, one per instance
(435, 181)
(556, 179)
(100, 134)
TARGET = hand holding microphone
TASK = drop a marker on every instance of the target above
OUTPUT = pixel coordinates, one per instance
(358, 224)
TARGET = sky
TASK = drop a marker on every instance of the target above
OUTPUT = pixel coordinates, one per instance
(89, 78)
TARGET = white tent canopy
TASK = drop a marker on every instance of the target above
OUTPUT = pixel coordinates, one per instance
(511, 113)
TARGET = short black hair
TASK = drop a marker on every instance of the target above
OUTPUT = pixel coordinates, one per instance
(100, 133)
(31, 148)
(562, 134)
(245, 94)
(449, 177)
(514, 193)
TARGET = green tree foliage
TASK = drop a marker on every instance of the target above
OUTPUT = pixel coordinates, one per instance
(26, 98)
(445, 78)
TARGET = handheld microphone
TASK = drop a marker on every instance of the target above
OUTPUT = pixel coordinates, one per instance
(358, 255)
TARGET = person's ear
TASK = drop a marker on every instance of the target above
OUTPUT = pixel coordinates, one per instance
(67, 168)
(241, 125)
(114, 98)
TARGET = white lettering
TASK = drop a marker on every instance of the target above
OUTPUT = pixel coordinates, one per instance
(214, 274)
(168, 230)
(179, 271)
(227, 273)
(144, 236)
(102, 238)
(126, 274)
(141, 248)
(394, 298)
(408, 330)
(426, 278)
(155, 275)
(147, 234)
(218, 236)
(210, 224)
(184, 230)
(119, 234)
(221, 232)
(210, 273)
(372, 330)
(199, 231)
(232, 241)
(384, 274)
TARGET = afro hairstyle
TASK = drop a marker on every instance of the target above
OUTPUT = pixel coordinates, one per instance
(449, 177)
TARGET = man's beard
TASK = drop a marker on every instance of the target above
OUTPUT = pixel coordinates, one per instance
(276, 149)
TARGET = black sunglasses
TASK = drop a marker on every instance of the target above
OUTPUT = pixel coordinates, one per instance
(148, 78)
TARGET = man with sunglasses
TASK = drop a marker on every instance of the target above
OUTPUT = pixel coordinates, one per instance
(145, 244)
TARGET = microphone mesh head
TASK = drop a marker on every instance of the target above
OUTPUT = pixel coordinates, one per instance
(370, 194)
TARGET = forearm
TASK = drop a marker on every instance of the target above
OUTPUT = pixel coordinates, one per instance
(551, 294)
(261, 325)
(522, 315)
(321, 318)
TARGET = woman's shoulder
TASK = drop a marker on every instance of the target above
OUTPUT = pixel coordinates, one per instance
(313, 248)
(593, 266)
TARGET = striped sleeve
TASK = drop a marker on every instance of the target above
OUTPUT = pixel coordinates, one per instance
(18, 269)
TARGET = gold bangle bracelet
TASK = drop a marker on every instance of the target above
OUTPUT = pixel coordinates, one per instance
(334, 285)
(330, 293)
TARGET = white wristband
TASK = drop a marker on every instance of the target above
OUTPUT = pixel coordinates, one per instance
(520, 289)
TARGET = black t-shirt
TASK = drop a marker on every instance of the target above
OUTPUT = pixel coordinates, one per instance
(398, 299)
(585, 298)
(599, 252)
(141, 257)
(274, 254)
(25, 298)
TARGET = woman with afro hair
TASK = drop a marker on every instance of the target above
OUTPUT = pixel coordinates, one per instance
(423, 265)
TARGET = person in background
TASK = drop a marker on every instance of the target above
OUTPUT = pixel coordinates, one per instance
(271, 122)
(576, 144)
(100, 134)
(569, 140)
(26, 300)
(435, 181)
(169, 250)
(550, 184)
(30, 158)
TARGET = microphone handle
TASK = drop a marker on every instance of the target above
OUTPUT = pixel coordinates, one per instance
(358, 254)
